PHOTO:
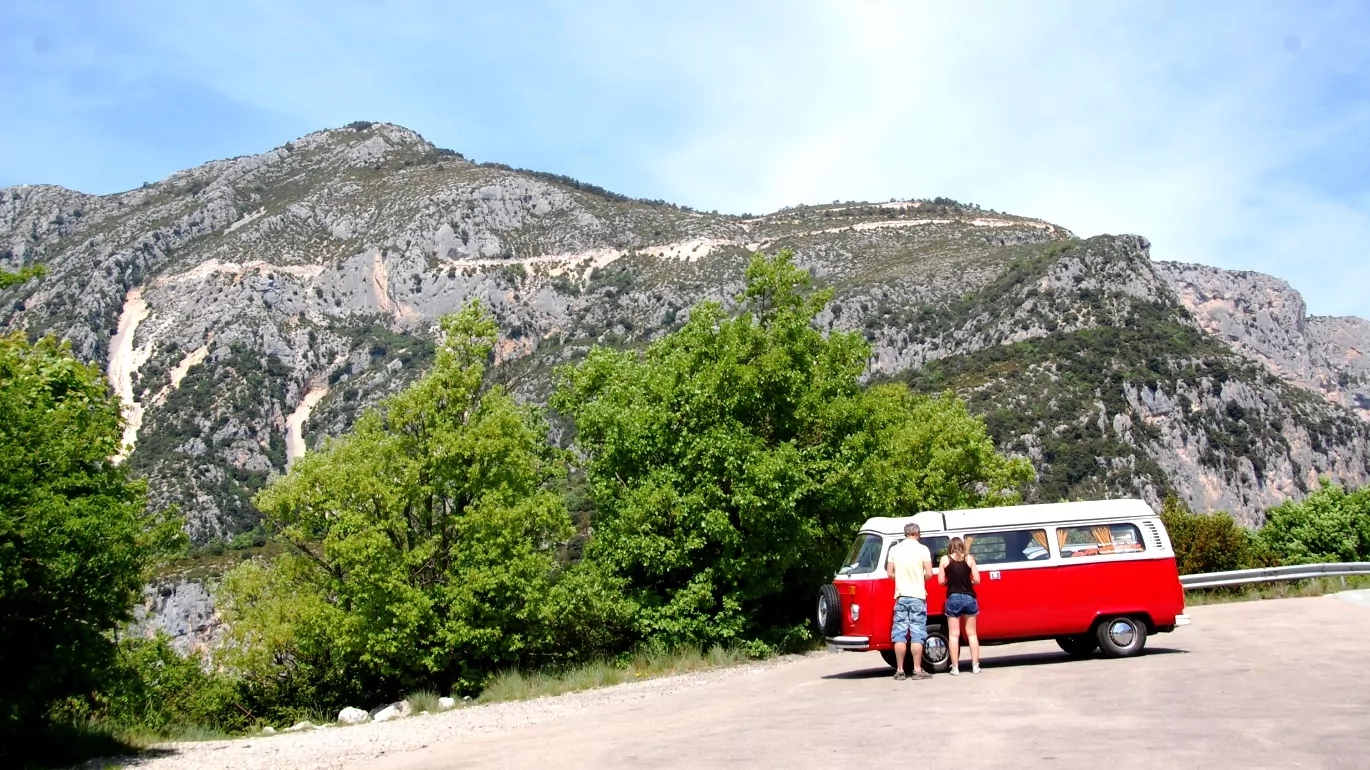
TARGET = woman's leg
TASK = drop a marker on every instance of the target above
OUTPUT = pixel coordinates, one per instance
(974, 640)
(954, 641)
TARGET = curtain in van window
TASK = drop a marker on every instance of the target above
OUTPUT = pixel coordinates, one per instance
(1039, 536)
(1102, 535)
(1061, 538)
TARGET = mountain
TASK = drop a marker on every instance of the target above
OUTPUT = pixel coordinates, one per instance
(249, 308)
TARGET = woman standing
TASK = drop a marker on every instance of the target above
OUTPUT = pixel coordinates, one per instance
(959, 573)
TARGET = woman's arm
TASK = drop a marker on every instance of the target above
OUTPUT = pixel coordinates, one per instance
(942, 571)
(974, 570)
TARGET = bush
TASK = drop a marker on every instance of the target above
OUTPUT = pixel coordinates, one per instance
(1326, 526)
(151, 689)
(1212, 542)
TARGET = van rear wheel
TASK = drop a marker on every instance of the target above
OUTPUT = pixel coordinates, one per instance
(1121, 637)
(1078, 646)
(936, 652)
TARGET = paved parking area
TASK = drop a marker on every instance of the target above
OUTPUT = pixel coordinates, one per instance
(1259, 684)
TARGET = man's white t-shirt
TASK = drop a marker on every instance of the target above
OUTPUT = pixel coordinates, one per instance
(908, 557)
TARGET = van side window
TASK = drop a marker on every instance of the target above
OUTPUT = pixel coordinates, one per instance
(1009, 546)
(937, 546)
(1099, 539)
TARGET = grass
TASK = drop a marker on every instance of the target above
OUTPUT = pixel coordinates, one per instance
(514, 685)
(423, 700)
(1285, 590)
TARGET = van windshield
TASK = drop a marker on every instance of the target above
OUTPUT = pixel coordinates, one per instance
(864, 555)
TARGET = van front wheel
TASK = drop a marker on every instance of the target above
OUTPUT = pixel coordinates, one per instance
(1121, 637)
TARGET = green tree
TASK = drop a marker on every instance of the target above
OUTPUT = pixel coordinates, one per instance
(732, 461)
(76, 539)
(1328, 525)
(1207, 542)
(427, 547)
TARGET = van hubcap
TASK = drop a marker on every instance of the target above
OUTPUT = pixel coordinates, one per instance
(1122, 632)
(935, 649)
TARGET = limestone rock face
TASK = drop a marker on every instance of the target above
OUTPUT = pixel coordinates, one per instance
(1264, 318)
(183, 610)
(249, 308)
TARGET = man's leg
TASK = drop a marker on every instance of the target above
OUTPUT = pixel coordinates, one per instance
(899, 633)
(918, 633)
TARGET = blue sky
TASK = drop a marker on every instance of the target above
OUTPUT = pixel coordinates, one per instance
(1232, 134)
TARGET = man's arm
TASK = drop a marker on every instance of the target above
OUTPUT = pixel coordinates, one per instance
(927, 570)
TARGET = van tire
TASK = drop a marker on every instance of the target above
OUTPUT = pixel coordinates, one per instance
(943, 664)
(829, 615)
(1081, 646)
(1121, 636)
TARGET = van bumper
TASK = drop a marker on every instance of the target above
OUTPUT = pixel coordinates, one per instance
(1182, 620)
(856, 643)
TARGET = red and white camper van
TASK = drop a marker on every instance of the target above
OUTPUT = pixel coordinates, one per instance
(1093, 575)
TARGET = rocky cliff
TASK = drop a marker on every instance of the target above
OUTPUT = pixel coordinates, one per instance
(248, 308)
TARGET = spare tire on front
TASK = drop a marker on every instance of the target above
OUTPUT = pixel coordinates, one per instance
(829, 611)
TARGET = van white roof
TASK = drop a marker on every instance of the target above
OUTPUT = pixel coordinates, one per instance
(1012, 516)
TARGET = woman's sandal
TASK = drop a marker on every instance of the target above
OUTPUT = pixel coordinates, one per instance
(899, 676)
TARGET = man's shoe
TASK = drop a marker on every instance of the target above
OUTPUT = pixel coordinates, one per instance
(921, 675)
(955, 671)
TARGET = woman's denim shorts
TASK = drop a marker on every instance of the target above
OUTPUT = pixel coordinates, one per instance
(961, 604)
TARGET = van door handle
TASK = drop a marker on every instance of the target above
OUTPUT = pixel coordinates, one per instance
(994, 575)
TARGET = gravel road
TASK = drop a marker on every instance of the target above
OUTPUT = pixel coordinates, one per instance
(1257, 684)
(340, 746)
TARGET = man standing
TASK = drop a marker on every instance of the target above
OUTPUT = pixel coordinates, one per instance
(910, 564)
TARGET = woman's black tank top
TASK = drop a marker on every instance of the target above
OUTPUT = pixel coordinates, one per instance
(958, 578)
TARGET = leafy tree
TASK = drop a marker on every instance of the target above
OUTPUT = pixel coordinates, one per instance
(426, 548)
(1207, 542)
(732, 461)
(1328, 525)
(75, 537)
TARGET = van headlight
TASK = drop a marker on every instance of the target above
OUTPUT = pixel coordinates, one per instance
(855, 612)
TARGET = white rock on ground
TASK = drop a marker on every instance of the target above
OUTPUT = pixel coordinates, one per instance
(447, 703)
(298, 726)
(268, 730)
(388, 713)
(353, 716)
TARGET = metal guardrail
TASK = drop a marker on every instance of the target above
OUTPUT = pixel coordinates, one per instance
(1240, 577)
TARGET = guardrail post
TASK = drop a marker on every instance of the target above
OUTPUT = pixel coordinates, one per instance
(1343, 582)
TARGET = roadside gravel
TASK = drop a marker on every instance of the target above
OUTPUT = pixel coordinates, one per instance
(335, 746)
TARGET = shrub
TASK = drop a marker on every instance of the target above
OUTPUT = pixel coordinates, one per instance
(1327, 525)
(1212, 542)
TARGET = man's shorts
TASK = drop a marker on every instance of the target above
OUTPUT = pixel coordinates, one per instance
(910, 621)
(961, 604)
